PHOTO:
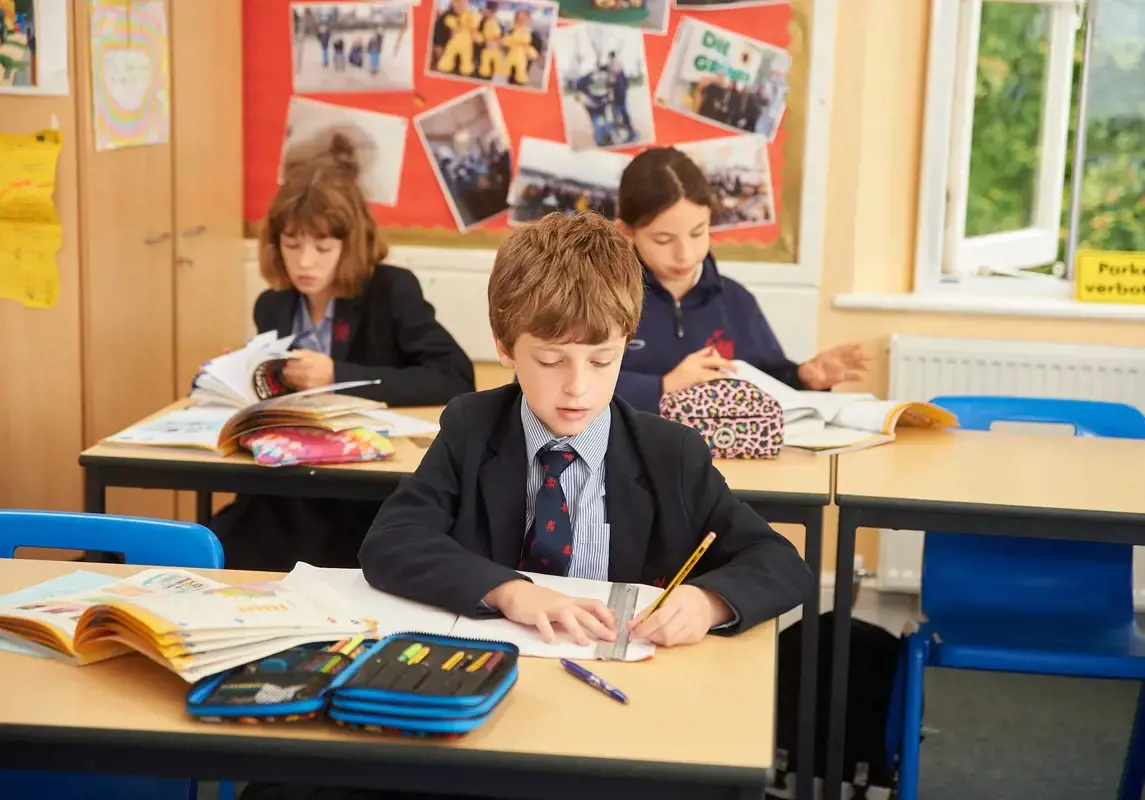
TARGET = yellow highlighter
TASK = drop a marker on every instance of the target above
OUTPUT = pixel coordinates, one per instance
(683, 573)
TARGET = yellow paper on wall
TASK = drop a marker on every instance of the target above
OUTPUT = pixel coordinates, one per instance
(1110, 277)
(30, 234)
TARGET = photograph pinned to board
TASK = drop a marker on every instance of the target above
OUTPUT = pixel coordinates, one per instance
(492, 42)
(379, 143)
(725, 78)
(720, 5)
(605, 96)
(129, 73)
(34, 47)
(647, 16)
(551, 176)
(352, 47)
(30, 232)
(468, 146)
(739, 174)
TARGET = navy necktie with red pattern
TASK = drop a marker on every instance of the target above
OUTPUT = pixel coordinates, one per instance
(548, 546)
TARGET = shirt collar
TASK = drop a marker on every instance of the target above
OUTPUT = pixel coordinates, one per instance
(303, 313)
(591, 444)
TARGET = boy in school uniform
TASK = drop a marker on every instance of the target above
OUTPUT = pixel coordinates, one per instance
(553, 474)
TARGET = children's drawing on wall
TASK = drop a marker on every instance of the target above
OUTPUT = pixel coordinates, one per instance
(130, 77)
(725, 78)
(739, 173)
(649, 16)
(605, 98)
(551, 176)
(352, 47)
(379, 143)
(492, 41)
(468, 146)
(18, 43)
(718, 5)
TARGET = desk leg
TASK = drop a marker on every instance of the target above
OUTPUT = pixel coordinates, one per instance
(840, 652)
(809, 658)
(94, 492)
(203, 506)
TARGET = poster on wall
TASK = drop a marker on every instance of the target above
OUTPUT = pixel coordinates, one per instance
(379, 143)
(739, 174)
(468, 145)
(613, 87)
(605, 99)
(551, 176)
(34, 47)
(492, 42)
(129, 72)
(725, 78)
(352, 47)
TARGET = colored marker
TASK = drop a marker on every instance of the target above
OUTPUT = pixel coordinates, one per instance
(493, 661)
(419, 656)
(409, 653)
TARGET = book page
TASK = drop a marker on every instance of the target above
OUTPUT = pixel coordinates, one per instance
(60, 615)
(230, 379)
(795, 403)
(79, 581)
(394, 425)
(391, 613)
(529, 640)
(197, 427)
(883, 416)
(829, 439)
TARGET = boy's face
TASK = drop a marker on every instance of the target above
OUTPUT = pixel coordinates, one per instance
(566, 385)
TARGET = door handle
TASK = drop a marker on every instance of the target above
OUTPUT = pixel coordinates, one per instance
(157, 238)
(198, 230)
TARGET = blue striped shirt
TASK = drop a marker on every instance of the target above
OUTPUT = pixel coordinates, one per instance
(583, 484)
(308, 336)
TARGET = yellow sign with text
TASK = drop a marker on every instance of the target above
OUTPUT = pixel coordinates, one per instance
(1110, 277)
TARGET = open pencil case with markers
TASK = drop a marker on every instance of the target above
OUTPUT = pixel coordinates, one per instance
(408, 684)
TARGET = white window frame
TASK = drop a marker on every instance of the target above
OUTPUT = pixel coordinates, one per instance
(946, 260)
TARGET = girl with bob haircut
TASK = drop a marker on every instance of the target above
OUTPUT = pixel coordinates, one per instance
(354, 318)
(696, 321)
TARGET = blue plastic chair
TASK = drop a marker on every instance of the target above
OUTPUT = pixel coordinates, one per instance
(154, 542)
(1034, 606)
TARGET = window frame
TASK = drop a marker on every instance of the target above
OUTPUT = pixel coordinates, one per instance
(946, 260)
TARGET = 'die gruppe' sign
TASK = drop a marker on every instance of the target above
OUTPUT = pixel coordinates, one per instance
(1110, 277)
(716, 53)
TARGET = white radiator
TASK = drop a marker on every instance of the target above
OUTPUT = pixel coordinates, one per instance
(922, 367)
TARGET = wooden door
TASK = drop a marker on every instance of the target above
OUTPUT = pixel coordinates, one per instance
(128, 288)
(206, 74)
(41, 380)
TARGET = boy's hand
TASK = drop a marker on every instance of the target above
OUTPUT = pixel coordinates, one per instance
(538, 607)
(308, 370)
(700, 367)
(685, 618)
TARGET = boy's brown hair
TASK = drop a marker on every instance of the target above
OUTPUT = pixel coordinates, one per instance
(565, 279)
(320, 196)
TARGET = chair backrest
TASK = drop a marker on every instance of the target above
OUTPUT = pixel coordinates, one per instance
(977, 574)
(157, 542)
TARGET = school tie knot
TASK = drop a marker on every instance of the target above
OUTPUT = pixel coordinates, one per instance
(554, 462)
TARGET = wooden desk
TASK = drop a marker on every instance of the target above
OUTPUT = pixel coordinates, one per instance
(991, 483)
(699, 724)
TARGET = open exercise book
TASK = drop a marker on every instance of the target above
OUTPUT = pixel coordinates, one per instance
(837, 422)
(396, 615)
(190, 624)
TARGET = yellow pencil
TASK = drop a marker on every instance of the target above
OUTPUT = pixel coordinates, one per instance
(683, 573)
(479, 663)
(453, 660)
(419, 656)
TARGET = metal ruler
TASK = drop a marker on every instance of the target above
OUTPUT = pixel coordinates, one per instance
(622, 604)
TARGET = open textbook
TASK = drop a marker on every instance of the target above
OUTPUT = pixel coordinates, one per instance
(396, 615)
(836, 422)
(192, 625)
(243, 377)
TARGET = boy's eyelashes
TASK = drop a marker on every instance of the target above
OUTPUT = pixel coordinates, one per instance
(600, 364)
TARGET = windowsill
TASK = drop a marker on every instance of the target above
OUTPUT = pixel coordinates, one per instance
(984, 305)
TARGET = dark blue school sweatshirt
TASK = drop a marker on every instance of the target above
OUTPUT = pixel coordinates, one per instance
(716, 312)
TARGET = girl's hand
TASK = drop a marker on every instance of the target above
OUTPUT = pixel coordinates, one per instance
(308, 370)
(700, 367)
(832, 367)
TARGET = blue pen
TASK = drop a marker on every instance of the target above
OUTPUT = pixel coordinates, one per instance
(577, 671)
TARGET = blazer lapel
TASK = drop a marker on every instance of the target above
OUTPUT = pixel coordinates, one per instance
(629, 504)
(283, 311)
(347, 318)
(501, 481)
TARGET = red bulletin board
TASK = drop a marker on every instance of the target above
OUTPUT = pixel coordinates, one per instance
(422, 215)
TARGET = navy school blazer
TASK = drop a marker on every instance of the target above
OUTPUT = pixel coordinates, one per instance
(453, 530)
(388, 332)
